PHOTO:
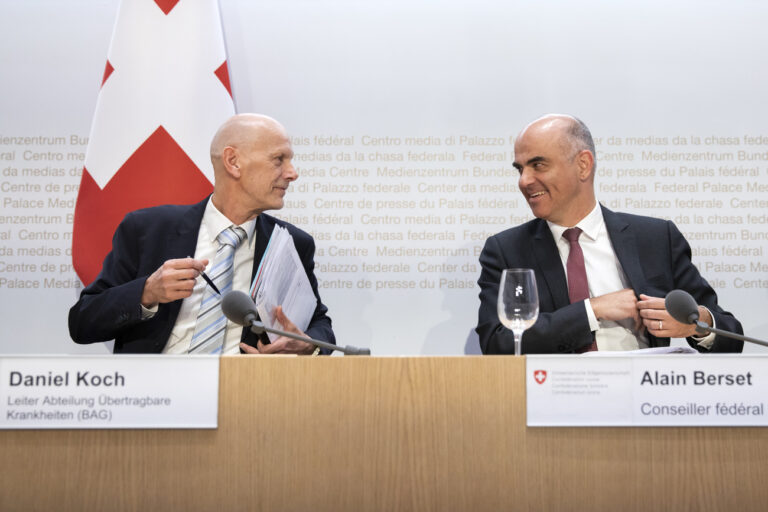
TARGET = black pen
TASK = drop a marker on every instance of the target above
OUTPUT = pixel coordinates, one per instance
(208, 280)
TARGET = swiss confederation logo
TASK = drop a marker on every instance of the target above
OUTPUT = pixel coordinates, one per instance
(540, 376)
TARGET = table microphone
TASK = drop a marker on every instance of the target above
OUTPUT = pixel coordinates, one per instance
(683, 308)
(239, 308)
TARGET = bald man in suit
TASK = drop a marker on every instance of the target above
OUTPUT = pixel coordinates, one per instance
(631, 262)
(148, 295)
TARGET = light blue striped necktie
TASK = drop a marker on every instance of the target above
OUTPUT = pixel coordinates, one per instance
(211, 323)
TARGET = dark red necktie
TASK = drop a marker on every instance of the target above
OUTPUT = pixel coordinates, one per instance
(578, 288)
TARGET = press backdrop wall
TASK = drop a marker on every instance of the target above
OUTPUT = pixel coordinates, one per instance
(403, 116)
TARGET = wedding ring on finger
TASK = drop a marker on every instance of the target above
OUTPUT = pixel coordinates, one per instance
(661, 326)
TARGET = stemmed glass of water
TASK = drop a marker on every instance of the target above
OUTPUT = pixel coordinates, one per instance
(518, 304)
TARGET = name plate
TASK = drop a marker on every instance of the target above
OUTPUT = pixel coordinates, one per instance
(125, 391)
(646, 390)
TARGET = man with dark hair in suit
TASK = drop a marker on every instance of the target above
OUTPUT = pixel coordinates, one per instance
(148, 297)
(601, 276)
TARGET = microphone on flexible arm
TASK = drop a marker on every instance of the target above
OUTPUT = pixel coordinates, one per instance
(239, 308)
(683, 308)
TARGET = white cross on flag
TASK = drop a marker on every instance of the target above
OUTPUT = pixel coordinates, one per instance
(164, 94)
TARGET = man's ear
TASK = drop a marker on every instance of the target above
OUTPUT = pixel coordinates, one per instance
(229, 158)
(585, 160)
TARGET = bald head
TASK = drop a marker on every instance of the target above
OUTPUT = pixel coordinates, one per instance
(555, 157)
(571, 133)
(251, 156)
(240, 131)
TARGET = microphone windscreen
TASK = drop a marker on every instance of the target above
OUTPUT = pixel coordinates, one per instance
(236, 305)
(682, 306)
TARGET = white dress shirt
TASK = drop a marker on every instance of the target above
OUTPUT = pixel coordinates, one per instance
(214, 222)
(604, 275)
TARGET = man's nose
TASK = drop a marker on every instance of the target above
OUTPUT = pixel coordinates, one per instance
(290, 172)
(525, 178)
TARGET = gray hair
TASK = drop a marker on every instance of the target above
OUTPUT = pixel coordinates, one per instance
(580, 138)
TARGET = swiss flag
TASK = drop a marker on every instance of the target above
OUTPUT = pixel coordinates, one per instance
(164, 94)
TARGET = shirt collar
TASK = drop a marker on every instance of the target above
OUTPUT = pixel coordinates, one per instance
(216, 222)
(591, 225)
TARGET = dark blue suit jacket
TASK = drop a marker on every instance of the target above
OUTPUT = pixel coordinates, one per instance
(109, 308)
(655, 258)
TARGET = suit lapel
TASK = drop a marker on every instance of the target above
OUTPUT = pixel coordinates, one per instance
(625, 247)
(550, 266)
(182, 242)
(264, 227)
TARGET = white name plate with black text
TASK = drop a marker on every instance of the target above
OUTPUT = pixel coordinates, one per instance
(123, 391)
(647, 390)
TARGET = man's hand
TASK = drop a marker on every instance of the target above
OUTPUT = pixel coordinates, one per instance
(617, 306)
(174, 280)
(283, 344)
(661, 324)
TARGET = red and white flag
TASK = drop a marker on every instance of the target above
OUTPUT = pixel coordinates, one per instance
(164, 94)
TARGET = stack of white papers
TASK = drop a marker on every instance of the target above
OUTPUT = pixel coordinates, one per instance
(680, 349)
(281, 281)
